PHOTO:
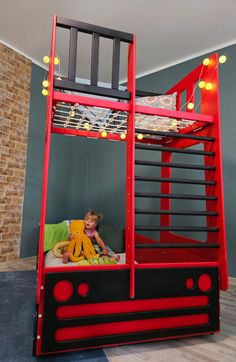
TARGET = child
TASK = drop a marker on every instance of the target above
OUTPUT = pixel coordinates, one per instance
(91, 221)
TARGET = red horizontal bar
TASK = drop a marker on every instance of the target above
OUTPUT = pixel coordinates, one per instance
(66, 268)
(174, 114)
(91, 331)
(94, 309)
(92, 102)
(87, 101)
(84, 133)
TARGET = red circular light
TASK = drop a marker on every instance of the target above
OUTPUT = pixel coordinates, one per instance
(190, 283)
(83, 289)
(63, 291)
(205, 282)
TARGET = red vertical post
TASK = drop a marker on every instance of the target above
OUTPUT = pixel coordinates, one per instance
(130, 156)
(46, 163)
(211, 105)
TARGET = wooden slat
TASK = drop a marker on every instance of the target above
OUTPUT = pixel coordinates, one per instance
(115, 63)
(72, 55)
(94, 59)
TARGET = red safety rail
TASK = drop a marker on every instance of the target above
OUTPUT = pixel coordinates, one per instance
(130, 152)
(46, 162)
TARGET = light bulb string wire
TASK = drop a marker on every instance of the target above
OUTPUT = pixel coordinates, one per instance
(196, 85)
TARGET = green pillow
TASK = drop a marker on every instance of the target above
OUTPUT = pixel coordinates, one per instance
(113, 236)
(54, 233)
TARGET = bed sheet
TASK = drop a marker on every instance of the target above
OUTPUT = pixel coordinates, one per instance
(51, 260)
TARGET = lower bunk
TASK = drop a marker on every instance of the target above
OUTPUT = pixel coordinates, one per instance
(90, 307)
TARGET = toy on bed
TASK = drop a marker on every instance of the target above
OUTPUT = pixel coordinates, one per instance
(78, 248)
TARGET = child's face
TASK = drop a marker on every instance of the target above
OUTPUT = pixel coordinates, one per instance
(90, 223)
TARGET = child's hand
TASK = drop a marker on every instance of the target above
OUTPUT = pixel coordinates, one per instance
(105, 251)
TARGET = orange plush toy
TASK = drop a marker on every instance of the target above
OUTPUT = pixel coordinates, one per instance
(80, 246)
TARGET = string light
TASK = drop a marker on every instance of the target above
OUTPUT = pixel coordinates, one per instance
(206, 61)
(222, 59)
(56, 60)
(123, 136)
(46, 59)
(140, 136)
(208, 86)
(45, 83)
(86, 125)
(174, 122)
(201, 84)
(44, 92)
(190, 105)
(104, 134)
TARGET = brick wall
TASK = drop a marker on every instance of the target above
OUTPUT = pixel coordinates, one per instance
(15, 75)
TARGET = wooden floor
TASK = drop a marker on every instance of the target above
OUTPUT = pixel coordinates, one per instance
(220, 347)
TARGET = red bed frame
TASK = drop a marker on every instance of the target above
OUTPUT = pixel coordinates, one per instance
(173, 290)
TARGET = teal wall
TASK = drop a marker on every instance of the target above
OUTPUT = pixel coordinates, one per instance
(161, 81)
(84, 174)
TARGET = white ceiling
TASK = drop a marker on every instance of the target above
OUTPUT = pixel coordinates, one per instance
(168, 31)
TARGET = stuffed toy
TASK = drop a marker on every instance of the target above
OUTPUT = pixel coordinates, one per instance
(80, 246)
(60, 248)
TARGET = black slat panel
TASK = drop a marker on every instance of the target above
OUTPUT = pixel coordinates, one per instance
(90, 29)
(84, 88)
(72, 55)
(176, 246)
(176, 228)
(144, 146)
(175, 196)
(115, 64)
(175, 180)
(94, 59)
(175, 135)
(150, 283)
(174, 165)
(170, 212)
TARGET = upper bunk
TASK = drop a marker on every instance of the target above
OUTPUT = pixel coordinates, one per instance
(91, 110)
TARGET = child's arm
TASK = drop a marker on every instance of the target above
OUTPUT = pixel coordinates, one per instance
(101, 243)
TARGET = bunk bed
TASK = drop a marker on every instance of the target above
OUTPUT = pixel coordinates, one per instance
(165, 288)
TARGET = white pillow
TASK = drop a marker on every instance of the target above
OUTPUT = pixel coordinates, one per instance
(157, 123)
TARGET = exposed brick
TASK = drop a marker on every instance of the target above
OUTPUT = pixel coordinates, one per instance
(15, 77)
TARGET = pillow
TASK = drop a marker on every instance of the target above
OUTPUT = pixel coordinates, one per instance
(54, 233)
(113, 236)
(157, 123)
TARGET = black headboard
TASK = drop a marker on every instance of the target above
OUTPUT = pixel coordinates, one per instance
(96, 32)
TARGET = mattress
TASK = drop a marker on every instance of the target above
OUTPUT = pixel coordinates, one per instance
(51, 260)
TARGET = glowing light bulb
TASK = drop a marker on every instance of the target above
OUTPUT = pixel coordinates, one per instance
(45, 83)
(56, 60)
(222, 59)
(44, 92)
(122, 136)
(46, 59)
(206, 61)
(104, 134)
(201, 84)
(208, 86)
(86, 125)
(72, 113)
(174, 122)
(190, 105)
(140, 136)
